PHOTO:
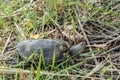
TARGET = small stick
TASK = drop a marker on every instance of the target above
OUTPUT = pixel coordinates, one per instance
(110, 50)
(112, 40)
(57, 26)
(85, 35)
(20, 30)
(14, 71)
(98, 67)
(7, 54)
(6, 43)
(81, 27)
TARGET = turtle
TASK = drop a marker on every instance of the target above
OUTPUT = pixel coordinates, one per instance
(47, 47)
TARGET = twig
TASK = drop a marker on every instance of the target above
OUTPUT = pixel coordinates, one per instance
(102, 28)
(20, 30)
(87, 58)
(88, 43)
(7, 54)
(6, 43)
(81, 27)
(47, 33)
(117, 70)
(112, 40)
(14, 71)
(98, 67)
(57, 26)
(110, 50)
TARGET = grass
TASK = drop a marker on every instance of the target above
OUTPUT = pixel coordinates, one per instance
(97, 22)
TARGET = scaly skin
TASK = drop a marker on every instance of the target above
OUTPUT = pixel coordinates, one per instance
(77, 49)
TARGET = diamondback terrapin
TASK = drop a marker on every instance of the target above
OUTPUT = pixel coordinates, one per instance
(48, 47)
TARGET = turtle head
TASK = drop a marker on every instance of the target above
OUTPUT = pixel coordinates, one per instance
(78, 48)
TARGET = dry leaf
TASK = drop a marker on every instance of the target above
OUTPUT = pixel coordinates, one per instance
(100, 46)
(35, 36)
(59, 5)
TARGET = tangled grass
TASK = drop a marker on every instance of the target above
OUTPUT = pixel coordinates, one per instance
(94, 21)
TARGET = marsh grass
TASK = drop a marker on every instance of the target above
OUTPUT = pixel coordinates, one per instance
(94, 20)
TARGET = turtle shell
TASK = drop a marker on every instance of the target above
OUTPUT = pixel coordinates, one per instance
(46, 46)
